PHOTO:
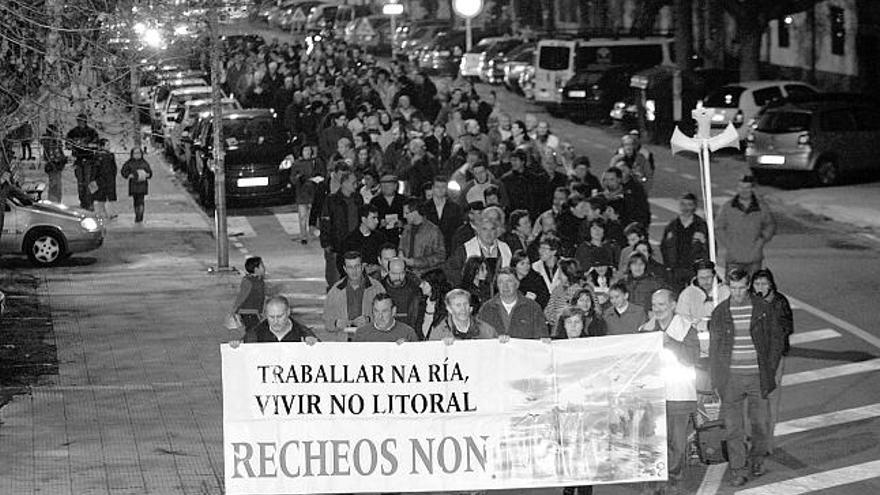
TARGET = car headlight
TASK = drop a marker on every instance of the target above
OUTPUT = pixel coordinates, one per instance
(89, 224)
(287, 163)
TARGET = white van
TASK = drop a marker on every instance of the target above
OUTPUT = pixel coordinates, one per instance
(557, 60)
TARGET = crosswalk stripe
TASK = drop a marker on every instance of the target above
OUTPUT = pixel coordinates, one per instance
(831, 372)
(828, 419)
(813, 336)
(712, 480)
(161, 221)
(818, 481)
(289, 222)
(239, 226)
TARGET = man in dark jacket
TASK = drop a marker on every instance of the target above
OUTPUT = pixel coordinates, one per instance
(443, 212)
(684, 242)
(339, 217)
(365, 239)
(279, 326)
(82, 141)
(403, 287)
(517, 183)
(745, 346)
(512, 313)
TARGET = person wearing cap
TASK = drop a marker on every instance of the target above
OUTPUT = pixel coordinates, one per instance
(745, 225)
(684, 241)
(390, 207)
(82, 141)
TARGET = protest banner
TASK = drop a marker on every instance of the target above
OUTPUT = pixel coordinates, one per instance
(475, 415)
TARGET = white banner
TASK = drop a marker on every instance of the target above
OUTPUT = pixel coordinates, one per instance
(476, 415)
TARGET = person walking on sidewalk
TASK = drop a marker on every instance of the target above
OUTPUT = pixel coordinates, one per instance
(138, 173)
(744, 226)
(745, 347)
(105, 176)
(82, 141)
(54, 161)
(252, 292)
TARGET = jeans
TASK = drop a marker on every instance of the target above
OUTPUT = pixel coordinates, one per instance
(773, 400)
(678, 416)
(741, 387)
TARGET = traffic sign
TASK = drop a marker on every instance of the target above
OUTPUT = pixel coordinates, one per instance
(392, 9)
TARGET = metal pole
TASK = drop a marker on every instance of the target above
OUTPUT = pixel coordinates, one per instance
(468, 35)
(219, 167)
(393, 37)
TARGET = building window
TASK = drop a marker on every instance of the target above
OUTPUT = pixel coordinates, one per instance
(783, 31)
(838, 30)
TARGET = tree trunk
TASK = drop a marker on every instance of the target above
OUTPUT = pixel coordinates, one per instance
(684, 33)
(750, 31)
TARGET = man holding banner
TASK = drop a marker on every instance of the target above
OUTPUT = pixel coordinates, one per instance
(279, 326)
(384, 327)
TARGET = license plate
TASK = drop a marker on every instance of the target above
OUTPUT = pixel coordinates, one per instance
(771, 160)
(718, 117)
(577, 94)
(253, 182)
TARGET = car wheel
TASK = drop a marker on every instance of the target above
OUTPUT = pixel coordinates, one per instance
(761, 176)
(44, 247)
(826, 173)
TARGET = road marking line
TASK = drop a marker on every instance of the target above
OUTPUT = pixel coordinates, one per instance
(670, 170)
(289, 222)
(837, 322)
(297, 279)
(659, 223)
(828, 419)
(813, 336)
(239, 226)
(871, 237)
(818, 481)
(688, 176)
(712, 480)
(831, 372)
(304, 295)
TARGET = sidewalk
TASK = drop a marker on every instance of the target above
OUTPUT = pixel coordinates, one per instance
(857, 205)
(136, 405)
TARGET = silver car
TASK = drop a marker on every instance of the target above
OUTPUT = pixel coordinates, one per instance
(47, 232)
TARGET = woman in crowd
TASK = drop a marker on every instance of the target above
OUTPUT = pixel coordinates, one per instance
(593, 322)
(307, 171)
(530, 283)
(434, 288)
(475, 280)
(640, 283)
(567, 284)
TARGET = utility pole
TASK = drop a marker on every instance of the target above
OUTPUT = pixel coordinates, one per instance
(220, 230)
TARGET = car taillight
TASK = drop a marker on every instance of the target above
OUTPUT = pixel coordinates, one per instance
(804, 139)
(738, 118)
(750, 138)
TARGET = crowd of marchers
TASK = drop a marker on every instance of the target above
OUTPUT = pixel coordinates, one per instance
(442, 217)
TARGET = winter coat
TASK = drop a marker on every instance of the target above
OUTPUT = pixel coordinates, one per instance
(534, 283)
(106, 176)
(745, 229)
(478, 329)
(428, 250)
(339, 217)
(129, 171)
(526, 320)
(336, 305)
(767, 336)
(642, 288)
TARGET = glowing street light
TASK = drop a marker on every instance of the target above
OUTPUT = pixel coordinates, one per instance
(468, 9)
(152, 38)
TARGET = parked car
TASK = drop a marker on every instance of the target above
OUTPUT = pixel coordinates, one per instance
(185, 119)
(255, 157)
(517, 60)
(739, 103)
(592, 92)
(47, 232)
(160, 99)
(473, 60)
(443, 56)
(822, 140)
(527, 82)
(411, 34)
(492, 70)
(175, 102)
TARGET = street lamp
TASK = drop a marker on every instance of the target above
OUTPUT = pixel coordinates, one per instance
(393, 10)
(152, 38)
(468, 9)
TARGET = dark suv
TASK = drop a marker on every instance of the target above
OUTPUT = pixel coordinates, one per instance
(592, 92)
(256, 146)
